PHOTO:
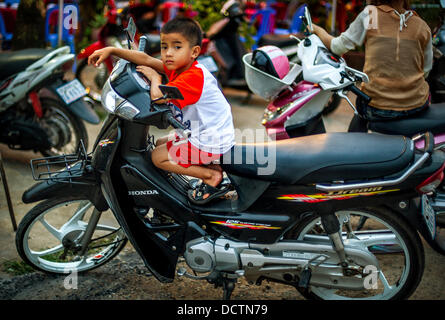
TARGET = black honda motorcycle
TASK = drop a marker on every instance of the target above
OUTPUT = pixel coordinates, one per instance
(297, 225)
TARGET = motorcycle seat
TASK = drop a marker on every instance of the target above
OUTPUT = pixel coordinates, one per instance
(16, 61)
(432, 119)
(277, 40)
(321, 158)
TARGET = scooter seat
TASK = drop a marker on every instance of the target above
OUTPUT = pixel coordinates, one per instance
(321, 158)
(432, 119)
(277, 40)
(16, 61)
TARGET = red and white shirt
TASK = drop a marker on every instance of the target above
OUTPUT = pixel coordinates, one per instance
(204, 109)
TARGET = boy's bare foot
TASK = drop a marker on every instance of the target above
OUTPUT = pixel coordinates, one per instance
(215, 179)
(208, 189)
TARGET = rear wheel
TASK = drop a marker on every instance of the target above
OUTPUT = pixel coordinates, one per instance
(64, 129)
(396, 246)
(49, 236)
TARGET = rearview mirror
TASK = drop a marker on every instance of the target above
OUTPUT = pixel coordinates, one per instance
(131, 30)
(170, 92)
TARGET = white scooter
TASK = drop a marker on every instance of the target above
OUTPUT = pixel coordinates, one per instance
(30, 121)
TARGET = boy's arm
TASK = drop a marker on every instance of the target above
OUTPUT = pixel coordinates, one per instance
(134, 56)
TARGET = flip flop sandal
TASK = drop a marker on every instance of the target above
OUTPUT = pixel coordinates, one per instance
(193, 183)
(197, 195)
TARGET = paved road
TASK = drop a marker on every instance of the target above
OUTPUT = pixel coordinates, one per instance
(245, 117)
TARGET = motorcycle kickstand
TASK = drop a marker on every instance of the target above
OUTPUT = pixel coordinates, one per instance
(227, 281)
(228, 286)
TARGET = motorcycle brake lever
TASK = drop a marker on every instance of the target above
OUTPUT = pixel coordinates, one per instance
(342, 94)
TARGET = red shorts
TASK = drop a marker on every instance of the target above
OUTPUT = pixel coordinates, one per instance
(182, 152)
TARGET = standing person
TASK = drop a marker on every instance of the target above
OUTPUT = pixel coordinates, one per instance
(398, 57)
(204, 107)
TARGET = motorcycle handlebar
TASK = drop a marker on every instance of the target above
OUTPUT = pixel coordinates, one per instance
(182, 129)
(359, 93)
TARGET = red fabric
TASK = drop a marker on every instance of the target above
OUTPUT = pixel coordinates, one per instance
(9, 16)
(182, 152)
(190, 83)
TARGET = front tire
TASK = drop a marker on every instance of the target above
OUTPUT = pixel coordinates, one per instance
(401, 263)
(49, 235)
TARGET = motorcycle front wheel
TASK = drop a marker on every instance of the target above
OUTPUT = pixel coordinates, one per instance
(396, 246)
(63, 128)
(49, 236)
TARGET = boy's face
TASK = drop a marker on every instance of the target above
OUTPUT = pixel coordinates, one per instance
(176, 52)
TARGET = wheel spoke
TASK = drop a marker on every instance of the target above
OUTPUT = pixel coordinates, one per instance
(386, 285)
(48, 251)
(55, 232)
(76, 220)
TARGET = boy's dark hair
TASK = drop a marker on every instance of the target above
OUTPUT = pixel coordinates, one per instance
(189, 28)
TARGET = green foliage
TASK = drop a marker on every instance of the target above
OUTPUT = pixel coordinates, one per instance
(209, 13)
(427, 12)
(95, 18)
(16, 268)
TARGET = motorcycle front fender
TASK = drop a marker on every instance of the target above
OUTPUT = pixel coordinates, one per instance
(85, 53)
(86, 187)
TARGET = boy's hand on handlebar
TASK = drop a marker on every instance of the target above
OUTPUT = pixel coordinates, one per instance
(148, 72)
(98, 56)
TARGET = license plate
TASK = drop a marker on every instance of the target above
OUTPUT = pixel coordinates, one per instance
(71, 91)
(209, 63)
(429, 216)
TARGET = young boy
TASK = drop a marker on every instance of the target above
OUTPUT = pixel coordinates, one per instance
(204, 108)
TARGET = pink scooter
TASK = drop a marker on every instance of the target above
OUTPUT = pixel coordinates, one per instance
(297, 101)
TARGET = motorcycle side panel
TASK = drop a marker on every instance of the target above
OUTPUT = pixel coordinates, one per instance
(252, 226)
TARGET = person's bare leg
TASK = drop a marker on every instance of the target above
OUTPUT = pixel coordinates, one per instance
(161, 160)
(163, 140)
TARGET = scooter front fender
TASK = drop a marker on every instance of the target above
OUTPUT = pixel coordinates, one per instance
(79, 107)
(85, 53)
(87, 187)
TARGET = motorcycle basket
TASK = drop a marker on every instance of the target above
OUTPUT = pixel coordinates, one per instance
(264, 84)
(64, 168)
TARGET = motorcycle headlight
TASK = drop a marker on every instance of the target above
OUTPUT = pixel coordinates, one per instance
(114, 103)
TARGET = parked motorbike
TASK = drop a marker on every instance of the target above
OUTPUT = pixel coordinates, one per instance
(111, 34)
(30, 121)
(295, 225)
(228, 47)
(297, 103)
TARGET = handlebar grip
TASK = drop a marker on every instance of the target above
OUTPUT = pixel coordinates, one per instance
(182, 129)
(143, 40)
(359, 93)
